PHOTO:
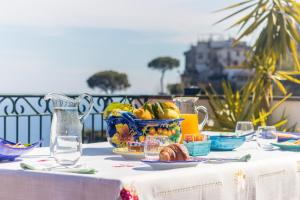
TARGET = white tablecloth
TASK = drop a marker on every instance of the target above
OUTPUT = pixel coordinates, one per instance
(270, 175)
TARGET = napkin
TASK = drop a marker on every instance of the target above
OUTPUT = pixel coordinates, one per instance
(244, 158)
(57, 168)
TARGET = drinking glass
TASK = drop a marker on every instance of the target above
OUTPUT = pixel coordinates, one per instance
(67, 150)
(153, 145)
(244, 128)
(265, 135)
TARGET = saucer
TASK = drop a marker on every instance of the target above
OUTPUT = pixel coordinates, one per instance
(129, 155)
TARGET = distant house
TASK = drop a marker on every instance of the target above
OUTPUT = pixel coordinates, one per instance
(238, 76)
(207, 60)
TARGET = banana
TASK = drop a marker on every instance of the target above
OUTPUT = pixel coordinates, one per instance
(170, 114)
(155, 111)
(160, 109)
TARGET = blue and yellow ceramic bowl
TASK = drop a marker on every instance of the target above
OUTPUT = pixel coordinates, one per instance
(126, 127)
(226, 143)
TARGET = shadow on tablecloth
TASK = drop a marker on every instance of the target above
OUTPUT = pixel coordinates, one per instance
(97, 151)
(143, 168)
(115, 158)
(11, 161)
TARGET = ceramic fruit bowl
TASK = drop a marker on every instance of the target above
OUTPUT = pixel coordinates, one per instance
(10, 151)
(126, 127)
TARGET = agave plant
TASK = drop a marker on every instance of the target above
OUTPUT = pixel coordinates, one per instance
(241, 105)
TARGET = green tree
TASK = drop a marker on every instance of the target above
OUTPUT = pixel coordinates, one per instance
(176, 88)
(109, 81)
(163, 64)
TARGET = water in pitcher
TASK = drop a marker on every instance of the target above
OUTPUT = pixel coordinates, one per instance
(67, 150)
(64, 123)
(66, 127)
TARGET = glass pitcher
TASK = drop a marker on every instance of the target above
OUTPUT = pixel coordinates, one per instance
(189, 112)
(66, 119)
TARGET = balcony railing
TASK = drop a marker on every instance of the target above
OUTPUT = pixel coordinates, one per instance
(27, 118)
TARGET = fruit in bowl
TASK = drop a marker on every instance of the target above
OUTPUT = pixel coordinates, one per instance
(134, 124)
(18, 145)
(141, 113)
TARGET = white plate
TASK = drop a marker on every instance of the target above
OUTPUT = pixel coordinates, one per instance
(162, 165)
(128, 155)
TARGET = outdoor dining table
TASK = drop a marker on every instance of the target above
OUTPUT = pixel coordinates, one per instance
(268, 175)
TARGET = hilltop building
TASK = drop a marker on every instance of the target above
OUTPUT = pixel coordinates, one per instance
(212, 61)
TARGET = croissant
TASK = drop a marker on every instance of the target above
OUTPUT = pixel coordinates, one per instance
(174, 152)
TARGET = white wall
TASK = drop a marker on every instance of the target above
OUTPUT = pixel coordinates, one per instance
(291, 107)
(292, 110)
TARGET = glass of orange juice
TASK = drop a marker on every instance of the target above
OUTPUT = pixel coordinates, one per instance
(189, 112)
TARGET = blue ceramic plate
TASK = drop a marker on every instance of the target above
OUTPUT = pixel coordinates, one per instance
(287, 147)
(226, 143)
(11, 153)
(292, 136)
(163, 165)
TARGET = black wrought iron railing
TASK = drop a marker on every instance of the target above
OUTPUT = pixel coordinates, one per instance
(27, 118)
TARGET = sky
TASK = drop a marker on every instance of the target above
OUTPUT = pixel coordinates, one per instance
(56, 45)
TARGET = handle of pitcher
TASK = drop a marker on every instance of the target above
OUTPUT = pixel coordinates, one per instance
(89, 98)
(204, 121)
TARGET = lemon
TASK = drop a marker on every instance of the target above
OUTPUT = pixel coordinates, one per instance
(142, 114)
(169, 114)
(170, 105)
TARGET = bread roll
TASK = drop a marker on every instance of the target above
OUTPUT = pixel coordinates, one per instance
(174, 152)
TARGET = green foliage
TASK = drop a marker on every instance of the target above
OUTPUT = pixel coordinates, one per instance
(176, 89)
(109, 81)
(273, 26)
(241, 105)
(163, 64)
(277, 41)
